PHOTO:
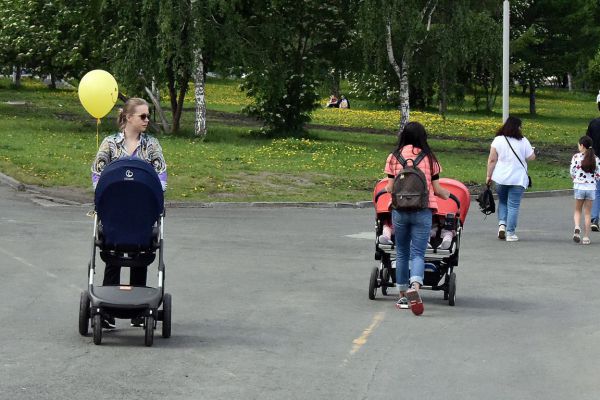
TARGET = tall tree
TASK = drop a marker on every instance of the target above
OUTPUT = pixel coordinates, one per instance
(285, 48)
(401, 27)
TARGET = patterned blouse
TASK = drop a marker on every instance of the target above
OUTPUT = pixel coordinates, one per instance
(113, 148)
(580, 176)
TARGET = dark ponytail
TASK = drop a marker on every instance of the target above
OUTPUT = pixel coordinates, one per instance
(588, 164)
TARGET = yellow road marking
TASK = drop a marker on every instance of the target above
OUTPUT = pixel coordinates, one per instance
(362, 339)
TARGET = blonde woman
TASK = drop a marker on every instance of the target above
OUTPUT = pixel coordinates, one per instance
(130, 141)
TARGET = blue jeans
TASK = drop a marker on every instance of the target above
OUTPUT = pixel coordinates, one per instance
(509, 201)
(411, 234)
(596, 203)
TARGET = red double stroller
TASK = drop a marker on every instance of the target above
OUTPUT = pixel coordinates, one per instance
(440, 260)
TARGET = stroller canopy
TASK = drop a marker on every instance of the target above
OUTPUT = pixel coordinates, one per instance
(129, 201)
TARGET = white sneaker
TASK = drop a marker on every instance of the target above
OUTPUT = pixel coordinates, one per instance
(385, 240)
(502, 232)
(512, 238)
(446, 243)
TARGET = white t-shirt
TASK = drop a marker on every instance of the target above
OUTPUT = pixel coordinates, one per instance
(508, 170)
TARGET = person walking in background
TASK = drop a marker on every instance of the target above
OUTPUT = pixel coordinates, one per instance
(507, 167)
(593, 131)
(585, 171)
(412, 227)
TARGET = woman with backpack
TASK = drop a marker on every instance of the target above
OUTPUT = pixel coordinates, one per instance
(507, 166)
(412, 222)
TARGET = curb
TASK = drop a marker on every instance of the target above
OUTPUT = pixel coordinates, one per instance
(39, 193)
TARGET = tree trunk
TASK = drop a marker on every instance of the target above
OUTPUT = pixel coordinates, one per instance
(52, 81)
(200, 118)
(335, 78)
(570, 81)
(402, 77)
(532, 97)
(183, 84)
(16, 77)
(164, 124)
(404, 96)
(443, 95)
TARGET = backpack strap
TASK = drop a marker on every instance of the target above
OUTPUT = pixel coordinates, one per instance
(403, 160)
(400, 159)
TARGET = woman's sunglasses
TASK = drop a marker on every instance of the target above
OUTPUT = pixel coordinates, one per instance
(144, 117)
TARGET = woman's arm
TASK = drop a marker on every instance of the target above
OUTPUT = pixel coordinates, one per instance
(158, 161)
(491, 164)
(390, 185)
(439, 190)
(103, 158)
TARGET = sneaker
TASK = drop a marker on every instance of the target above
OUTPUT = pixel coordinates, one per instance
(414, 299)
(137, 322)
(577, 235)
(402, 304)
(446, 242)
(502, 232)
(385, 240)
(512, 238)
(585, 240)
(109, 323)
(595, 226)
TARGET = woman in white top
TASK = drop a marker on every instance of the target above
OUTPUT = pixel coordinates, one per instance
(507, 167)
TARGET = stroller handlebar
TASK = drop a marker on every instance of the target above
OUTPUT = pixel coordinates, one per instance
(379, 194)
(453, 197)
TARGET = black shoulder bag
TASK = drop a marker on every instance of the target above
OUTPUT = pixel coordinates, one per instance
(521, 162)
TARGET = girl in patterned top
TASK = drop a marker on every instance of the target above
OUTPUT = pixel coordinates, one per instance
(585, 171)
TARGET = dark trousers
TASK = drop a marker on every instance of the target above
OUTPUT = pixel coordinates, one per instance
(112, 276)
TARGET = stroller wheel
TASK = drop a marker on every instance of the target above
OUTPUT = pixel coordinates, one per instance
(385, 277)
(149, 330)
(452, 289)
(166, 316)
(373, 283)
(84, 313)
(97, 329)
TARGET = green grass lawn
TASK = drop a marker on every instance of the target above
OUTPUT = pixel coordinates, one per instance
(51, 141)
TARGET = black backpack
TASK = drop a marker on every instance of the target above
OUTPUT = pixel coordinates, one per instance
(487, 205)
(410, 191)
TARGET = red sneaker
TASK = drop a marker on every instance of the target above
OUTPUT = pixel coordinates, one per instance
(414, 299)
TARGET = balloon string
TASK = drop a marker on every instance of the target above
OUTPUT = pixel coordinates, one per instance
(97, 133)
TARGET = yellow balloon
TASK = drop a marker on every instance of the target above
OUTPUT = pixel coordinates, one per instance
(98, 92)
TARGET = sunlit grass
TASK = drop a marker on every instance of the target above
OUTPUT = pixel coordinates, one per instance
(50, 141)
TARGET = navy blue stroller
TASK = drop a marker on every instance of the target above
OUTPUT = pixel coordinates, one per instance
(128, 231)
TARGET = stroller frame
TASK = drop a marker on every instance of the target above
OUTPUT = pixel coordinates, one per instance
(126, 301)
(439, 263)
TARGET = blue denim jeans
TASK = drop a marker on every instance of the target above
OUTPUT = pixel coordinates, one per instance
(411, 233)
(596, 203)
(509, 201)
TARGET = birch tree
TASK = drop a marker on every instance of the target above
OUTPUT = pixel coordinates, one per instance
(405, 27)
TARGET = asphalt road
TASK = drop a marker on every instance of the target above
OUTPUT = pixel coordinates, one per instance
(271, 303)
